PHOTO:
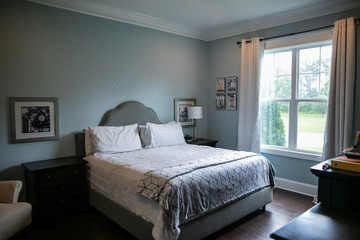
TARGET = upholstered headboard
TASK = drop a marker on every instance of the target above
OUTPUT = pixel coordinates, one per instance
(126, 113)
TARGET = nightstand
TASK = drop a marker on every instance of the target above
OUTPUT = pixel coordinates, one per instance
(336, 187)
(204, 142)
(56, 185)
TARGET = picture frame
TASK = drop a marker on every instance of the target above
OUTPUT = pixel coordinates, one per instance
(220, 85)
(34, 119)
(231, 101)
(231, 84)
(220, 101)
(180, 111)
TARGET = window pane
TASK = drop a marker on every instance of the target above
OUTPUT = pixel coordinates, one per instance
(325, 70)
(276, 75)
(308, 85)
(282, 63)
(311, 125)
(325, 58)
(314, 72)
(275, 123)
(309, 73)
(324, 84)
(309, 60)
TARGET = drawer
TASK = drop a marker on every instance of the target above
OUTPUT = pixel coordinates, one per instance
(60, 175)
(63, 203)
(64, 188)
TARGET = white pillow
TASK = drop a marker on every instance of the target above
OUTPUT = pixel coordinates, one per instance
(165, 134)
(145, 134)
(106, 139)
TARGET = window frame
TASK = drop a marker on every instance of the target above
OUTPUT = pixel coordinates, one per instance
(291, 150)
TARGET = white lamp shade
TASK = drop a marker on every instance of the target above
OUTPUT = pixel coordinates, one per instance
(195, 112)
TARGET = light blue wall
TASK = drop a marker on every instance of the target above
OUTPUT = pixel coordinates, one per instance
(91, 64)
(224, 60)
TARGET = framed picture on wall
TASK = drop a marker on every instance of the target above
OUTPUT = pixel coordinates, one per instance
(231, 84)
(231, 101)
(181, 113)
(34, 119)
(220, 101)
(220, 85)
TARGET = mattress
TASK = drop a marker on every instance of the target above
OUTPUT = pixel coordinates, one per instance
(121, 176)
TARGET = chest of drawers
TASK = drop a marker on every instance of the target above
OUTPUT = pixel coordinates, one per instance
(56, 186)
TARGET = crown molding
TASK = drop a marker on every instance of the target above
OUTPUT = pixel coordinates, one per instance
(142, 20)
(124, 16)
(298, 15)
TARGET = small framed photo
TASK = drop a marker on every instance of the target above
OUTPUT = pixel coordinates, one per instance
(220, 85)
(357, 138)
(34, 119)
(231, 102)
(220, 101)
(231, 84)
(181, 113)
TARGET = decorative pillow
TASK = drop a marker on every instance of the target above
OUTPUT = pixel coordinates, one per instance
(145, 140)
(106, 139)
(145, 134)
(165, 134)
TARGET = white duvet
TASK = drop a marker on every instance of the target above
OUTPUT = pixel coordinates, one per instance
(117, 176)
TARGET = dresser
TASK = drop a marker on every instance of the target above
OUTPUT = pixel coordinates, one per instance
(336, 215)
(56, 186)
(338, 188)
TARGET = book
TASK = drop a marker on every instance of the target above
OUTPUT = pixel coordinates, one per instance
(349, 159)
(345, 165)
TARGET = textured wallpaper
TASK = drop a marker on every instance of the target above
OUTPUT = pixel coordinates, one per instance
(91, 65)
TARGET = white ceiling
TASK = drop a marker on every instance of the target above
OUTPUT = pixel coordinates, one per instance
(205, 19)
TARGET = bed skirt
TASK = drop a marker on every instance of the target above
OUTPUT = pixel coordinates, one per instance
(196, 229)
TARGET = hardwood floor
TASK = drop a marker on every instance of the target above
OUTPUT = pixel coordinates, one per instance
(91, 224)
(259, 225)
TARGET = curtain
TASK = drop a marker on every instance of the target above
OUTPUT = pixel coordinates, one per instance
(339, 121)
(249, 120)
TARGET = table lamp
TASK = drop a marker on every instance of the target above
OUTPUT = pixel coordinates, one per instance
(194, 112)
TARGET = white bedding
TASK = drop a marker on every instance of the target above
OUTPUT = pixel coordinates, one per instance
(117, 176)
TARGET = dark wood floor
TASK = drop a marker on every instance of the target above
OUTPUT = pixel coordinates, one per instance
(91, 224)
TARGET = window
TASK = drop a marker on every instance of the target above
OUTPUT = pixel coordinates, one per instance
(294, 94)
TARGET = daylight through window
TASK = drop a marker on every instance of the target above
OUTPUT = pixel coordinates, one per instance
(294, 94)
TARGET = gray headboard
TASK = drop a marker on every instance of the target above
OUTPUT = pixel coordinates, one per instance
(126, 113)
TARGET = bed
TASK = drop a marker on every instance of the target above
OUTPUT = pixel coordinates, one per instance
(159, 191)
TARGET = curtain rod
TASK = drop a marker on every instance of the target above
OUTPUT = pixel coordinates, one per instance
(291, 34)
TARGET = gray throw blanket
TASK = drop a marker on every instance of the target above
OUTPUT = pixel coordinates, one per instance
(191, 190)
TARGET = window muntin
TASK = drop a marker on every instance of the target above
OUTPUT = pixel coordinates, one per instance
(294, 90)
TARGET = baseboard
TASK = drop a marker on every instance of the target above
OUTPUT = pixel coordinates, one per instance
(295, 186)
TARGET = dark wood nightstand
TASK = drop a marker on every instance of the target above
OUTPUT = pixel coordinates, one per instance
(56, 185)
(204, 142)
(339, 188)
(335, 217)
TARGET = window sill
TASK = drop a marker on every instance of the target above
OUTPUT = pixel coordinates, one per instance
(291, 153)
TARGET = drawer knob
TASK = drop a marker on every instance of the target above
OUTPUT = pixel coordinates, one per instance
(48, 177)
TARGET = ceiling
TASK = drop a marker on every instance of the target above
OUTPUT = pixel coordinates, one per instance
(205, 19)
